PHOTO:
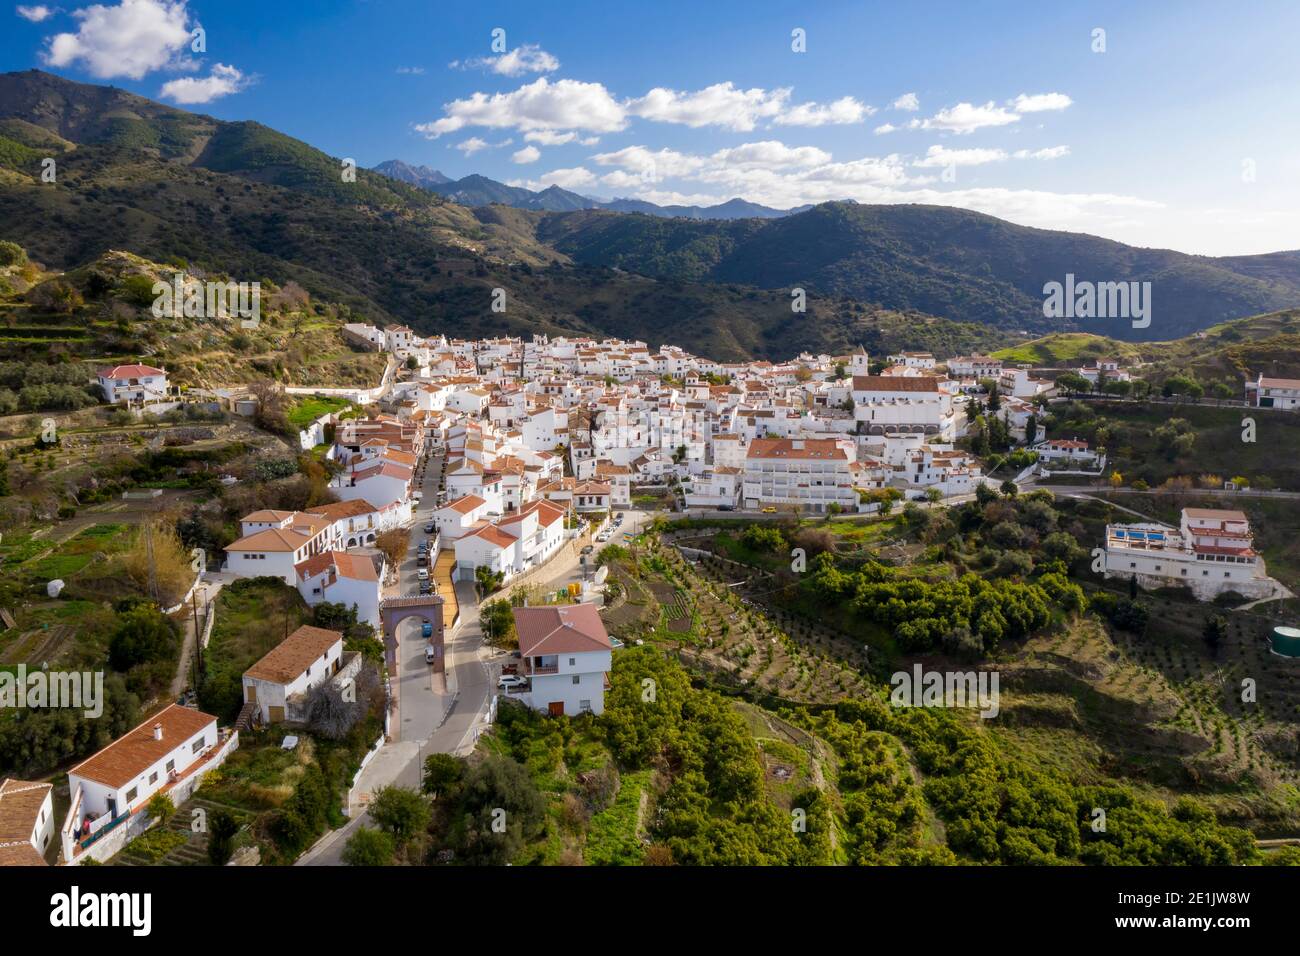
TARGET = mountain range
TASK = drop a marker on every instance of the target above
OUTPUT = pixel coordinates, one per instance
(475, 190)
(244, 199)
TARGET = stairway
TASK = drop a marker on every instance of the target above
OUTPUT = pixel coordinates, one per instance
(247, 716)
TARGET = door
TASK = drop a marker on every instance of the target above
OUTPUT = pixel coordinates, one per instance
(276, 714)
(250, 691)
(555, 708)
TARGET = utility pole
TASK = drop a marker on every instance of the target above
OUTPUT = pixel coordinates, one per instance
(149, 559)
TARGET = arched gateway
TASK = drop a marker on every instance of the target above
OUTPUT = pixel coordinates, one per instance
(428, 607)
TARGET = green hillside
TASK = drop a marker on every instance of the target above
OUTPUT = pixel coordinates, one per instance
(937, 259)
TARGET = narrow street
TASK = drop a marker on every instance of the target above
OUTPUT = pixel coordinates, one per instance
(435, 714)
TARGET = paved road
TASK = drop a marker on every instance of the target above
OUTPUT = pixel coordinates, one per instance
(1218, 492)
(445, 717)
(422, 696)
(473, 670)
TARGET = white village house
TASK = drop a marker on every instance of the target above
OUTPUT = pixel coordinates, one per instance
(169, 752)
(126, 384)
(1211, 553)
(26, 822)
(566, 655)
(279, 682)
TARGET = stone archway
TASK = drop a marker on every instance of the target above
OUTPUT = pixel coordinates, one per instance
(393, 611)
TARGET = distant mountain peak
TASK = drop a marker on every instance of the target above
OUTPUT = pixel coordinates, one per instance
(410, 173)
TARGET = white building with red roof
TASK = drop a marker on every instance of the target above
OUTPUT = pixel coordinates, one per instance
(1211, 552)
(458, 516)
(305, 659)
(170, 752)
(275, 542)
(812, 473)
(338, 577)
(1267, 392)
(137, 384)
(26, 822)
(566, 656)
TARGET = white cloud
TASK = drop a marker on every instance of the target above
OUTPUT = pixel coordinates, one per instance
(867, 171)
(549, 137)
(529, 58)
(35, 13)
(771, 154)
(619, 179)
(772, 174)
(472, 145)
(131, 39)
(663, 164)
(842, 111)
(1040, 102)
(411, 70)
(529, 154)
(884, 128)
(966, 118)
(1051, 152)
(719, 105)
(573, 178)
(222, 81)
(908, 101)
(942, 156)
(540, 105)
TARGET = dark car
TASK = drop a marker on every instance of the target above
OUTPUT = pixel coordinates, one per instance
(428, 528)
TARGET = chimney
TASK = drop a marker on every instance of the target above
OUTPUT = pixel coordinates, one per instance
(157, 731)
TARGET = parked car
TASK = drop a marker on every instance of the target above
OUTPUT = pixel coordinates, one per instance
(428, 528)
(588, 549)
(422, 574)
(510, 681)
(769, 511)
(422, 560)
(426, 629)
(430, 656)
(619, 516)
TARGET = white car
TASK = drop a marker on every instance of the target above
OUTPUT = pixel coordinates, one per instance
(430, 656)
(510, 681)
(422, 574)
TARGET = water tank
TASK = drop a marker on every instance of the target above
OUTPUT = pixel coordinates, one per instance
(1286, 641)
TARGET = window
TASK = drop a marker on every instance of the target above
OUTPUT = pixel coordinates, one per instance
(131, 795)
(584, 705)
(577, 679)
(198, 745)
(171, 766)
(153, 777)
(572, 661)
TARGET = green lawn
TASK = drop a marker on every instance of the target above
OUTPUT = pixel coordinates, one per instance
(307, 410)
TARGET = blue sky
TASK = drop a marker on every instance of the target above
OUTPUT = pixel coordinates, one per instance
(1181, 134)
